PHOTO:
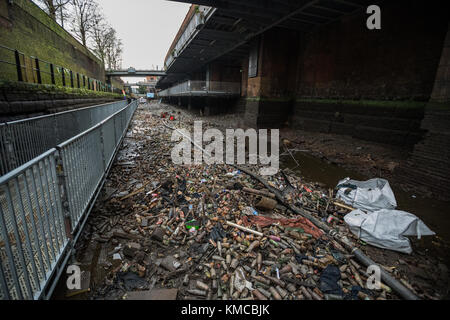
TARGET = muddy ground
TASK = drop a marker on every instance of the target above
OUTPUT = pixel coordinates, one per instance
(368, 159)
(160, 226)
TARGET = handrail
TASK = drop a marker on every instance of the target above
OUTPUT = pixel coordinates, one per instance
(55, 114)
(194, 87)
(191, 29)
(62, 145)
(45, 203)
(22, 140)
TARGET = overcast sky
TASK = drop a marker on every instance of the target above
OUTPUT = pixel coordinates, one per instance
(146, 27)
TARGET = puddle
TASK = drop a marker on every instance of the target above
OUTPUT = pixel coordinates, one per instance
(433, 213)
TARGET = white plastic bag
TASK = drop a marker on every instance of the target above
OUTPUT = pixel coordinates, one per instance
(387, 228)
(240, 283)
(370, 195)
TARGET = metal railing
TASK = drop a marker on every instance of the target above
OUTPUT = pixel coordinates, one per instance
(202, 14)
(202, 88)
(18, 66)
(23, 140)
(45, 203)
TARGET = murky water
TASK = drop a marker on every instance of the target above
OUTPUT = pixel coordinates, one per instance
(434, 213)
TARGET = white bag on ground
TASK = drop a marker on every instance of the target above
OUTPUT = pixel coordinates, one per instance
(387, 228)
(370, 195)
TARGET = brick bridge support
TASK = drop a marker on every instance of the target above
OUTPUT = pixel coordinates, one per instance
(428, 164)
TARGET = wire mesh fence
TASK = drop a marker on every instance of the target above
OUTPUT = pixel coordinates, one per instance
(36, 227)
(23, 140)
(202, 88)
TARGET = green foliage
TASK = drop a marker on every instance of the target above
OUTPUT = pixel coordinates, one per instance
(371, 103)
(285, 99)
(35, 34)
(142, 89)
(51, 89)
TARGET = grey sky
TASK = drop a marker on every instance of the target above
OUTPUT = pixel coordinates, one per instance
(146, 27)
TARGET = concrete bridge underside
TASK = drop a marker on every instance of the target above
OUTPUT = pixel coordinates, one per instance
(315, 66)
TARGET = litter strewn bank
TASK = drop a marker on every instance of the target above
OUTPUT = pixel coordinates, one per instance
(211, 232)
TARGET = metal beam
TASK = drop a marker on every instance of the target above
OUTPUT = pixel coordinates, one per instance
(306, 15)
(291, 14)
(256, 8)
(349, 3)
(229, 21)
(219, 35)
(331, 9)
(303, 21)
(137, 73)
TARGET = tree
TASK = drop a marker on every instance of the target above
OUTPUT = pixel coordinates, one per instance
(142, 90)
(85, 12)
(114, 50)
(101, 34)
(57, 9)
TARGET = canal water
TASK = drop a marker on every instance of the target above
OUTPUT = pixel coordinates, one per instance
(434, 213)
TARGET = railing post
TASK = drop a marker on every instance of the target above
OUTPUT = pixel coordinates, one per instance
(115, 131)
(102, 143)
(38, 71)
(71, 78)
(18, 66)
(11, 153)
(62, 185)
(52, 73)
(63, 77)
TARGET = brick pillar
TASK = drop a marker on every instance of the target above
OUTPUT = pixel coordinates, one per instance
(251, 113)
(271, 85)
(428, 164)
(441, 89)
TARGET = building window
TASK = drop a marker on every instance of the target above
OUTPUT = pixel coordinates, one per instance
(253, 60)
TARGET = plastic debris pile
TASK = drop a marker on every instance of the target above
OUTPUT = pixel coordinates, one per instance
(214, 232)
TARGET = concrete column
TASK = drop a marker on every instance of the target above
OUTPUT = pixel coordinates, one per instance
(190, 103)
(208, 107)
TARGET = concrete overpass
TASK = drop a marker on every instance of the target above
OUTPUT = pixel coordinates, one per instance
(131, 72)
(224, 29)
(140, 84)
(314, 65)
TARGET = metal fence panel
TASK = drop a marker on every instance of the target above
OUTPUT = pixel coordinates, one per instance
(33, 235)
(23, 140)
(87, 157)
(83, 157)
(109, 140)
